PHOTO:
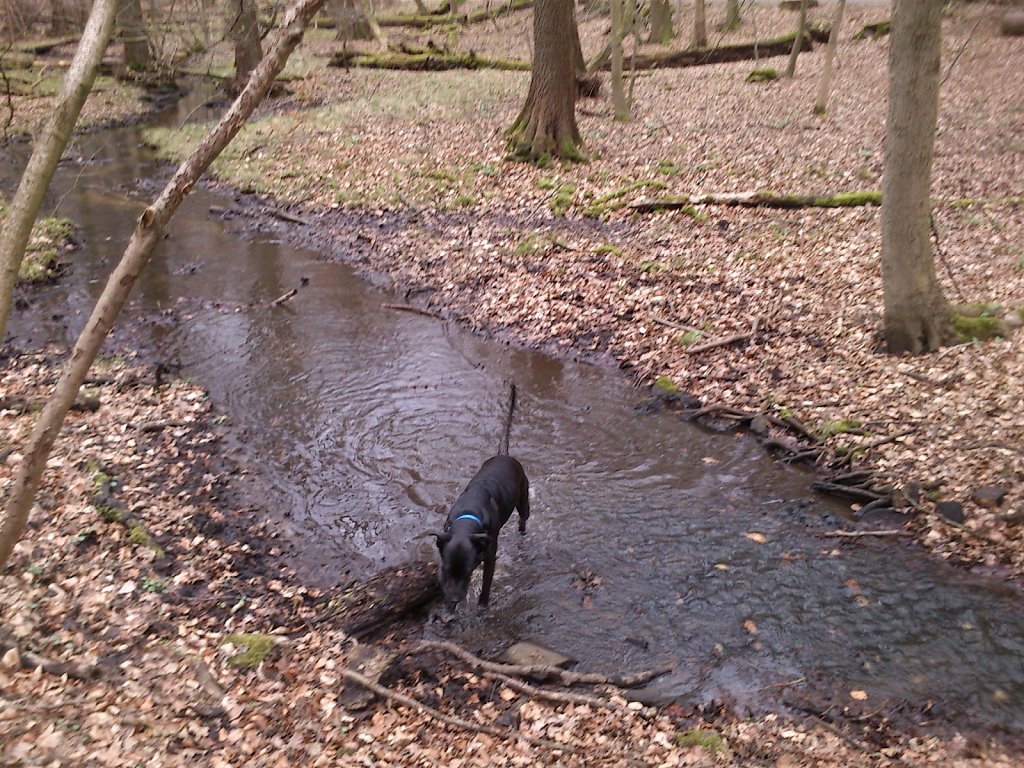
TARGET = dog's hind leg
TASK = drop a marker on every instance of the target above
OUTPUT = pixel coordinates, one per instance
(523, 507)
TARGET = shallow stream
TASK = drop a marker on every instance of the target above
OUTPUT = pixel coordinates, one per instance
(651, 541)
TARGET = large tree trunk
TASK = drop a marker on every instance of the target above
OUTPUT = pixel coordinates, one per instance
(547, 125)
(138, 55)
(700, 25)
(661, 22)
(350, 23)
(48, 148)
(821, 102)
(798, 41)
(148, 232)
(916, 312)
(244, 32)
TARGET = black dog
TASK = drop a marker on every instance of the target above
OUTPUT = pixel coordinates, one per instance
(470, 534)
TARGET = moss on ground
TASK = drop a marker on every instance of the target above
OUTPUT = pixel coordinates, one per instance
(42, 254)
(711, 741)
(256, 647)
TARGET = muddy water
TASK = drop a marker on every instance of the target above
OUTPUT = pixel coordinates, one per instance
(650, 541)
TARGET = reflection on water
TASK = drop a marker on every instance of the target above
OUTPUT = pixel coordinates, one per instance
(649, 541)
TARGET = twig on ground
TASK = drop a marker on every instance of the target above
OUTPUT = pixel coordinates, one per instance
(562, 696)
(414, 310)
(284, 297)
(725, 341)
(30, 660)
(457, 722)
(859, 534)
(677, 326)
(890, 439)
(544, 672)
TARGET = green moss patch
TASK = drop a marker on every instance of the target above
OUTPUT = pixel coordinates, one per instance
(710, 740)
(763, 75)
(256, 647)
(833, 428)
(979, 328)
(42, 254)
(666, 385)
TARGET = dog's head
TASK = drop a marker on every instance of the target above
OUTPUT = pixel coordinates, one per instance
(459, 557)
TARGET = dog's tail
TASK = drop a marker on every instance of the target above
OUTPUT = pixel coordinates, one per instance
(503, 445)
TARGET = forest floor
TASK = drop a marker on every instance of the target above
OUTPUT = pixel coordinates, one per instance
(142, 603)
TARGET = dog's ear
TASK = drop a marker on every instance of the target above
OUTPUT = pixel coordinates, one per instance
(442, 539)
(481, 541)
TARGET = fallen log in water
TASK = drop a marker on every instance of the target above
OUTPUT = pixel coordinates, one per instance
(365, 607)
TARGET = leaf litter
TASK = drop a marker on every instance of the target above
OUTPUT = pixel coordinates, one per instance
(155, 622)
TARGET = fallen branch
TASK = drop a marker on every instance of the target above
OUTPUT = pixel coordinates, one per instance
(284, 297)
(890, 439)
(696, 57)
(29, 660)
(859, 534)
(414, 310)
(426, 61)
(850, 491)
(458, 722)
(560, 696)
(422, 21)
(759, 199)
(290, 217)
(725, 341)
(544, 672)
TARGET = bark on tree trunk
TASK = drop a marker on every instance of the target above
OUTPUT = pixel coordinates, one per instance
(148, 232)
(547, 124)
(138, 55)
(49, 146)
(350, 22)
(700, 25)
(67, 16)
(661, 22)
(244, 32)
(916, 311)
(618, 88)
(732, 15)
(798, 40)
(821, 102)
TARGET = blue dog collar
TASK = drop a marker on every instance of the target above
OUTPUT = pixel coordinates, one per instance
(474, 518)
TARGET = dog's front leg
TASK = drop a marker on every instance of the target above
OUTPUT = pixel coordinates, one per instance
(485, 591)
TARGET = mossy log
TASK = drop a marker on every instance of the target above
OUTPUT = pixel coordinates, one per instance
(441, 17)
(437, 60)
(873, 31)
(45, 44)
(365, 607)
(695, 57)
(424, 61)
(761, 199)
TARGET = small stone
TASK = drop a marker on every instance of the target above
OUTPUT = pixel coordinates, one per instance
(12, 659)
(759, 425)
(951, 510)
(1014, 518)
(1014, 319)
(988, 496)
(530, 654)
